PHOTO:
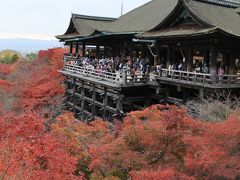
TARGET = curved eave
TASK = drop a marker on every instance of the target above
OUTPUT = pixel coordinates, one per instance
(228, 34)
(222, 18)
(200, 33)
(94, 36)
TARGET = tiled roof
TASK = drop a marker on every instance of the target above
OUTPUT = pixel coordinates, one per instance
(221, 17)
(225, 3)
(220, 14)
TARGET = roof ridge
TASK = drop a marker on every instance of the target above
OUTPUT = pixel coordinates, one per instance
(98, 18)
(225, 3)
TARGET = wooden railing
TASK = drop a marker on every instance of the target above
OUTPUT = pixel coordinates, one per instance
(179, 76)
(182, 77)
(116, 78)
(89, 72)
(196, 78)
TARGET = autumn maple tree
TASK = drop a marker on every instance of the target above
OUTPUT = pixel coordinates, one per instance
(40, 141)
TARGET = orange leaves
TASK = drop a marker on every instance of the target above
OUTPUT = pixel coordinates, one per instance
(36, 85)
(32, 151)
(143, 141)
(154, 175)
(5, 84)
(168, 146)
(160, 142)
(5, 69)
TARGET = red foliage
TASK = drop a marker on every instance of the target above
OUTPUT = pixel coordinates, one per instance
(5, 69)
(160, 142)
(5, 84)
(28, 152)
(37, 85)
(214, 150)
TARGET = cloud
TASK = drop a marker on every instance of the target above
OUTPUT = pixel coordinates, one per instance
(6, 35)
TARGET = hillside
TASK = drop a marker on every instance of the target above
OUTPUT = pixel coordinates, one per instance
(39, 140)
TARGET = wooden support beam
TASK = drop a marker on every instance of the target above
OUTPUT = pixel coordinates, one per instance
(105, 51)
(77, 48)
(206, 56)
(232, 62)
(74, 92)
(93, 100)
(82, 98)
(189, 58)
(178, 88)
(71, 48)
(156, 57)
(99, 89)
(124, 76)
(98, 51)
(105, 103)
(83, 50)
(213, 61)
(186, 94)
(114, 51)
(119, 106)
(169, 56)
(135, 99)
(201, 92)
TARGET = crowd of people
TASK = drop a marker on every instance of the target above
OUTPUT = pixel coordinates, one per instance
(198, 67)
(133, 65)
(113, 65)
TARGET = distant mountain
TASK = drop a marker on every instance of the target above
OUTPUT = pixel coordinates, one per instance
(27, 45)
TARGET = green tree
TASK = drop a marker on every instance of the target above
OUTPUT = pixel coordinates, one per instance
(14, 58)
(31, 56)
(9, 56)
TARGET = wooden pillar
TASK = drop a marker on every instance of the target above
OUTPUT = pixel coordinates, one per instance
(83, 50)
(93, 100)
(77, 47)
(158, 49)
(206, 56)
(186, 95)
(114, 51)
(166, 95)
(74, 95)
(97, 51)
(124, 76)
(156, 58)
(71, 48)
(232, 61)
(131, 50)
(119, 106)
(213, 61)
(105, 51)
(68, 86)
(169, 56)
(201, 92)
(189, 58)
(82, 98)
(142, 49)
(105, 103)
(122, 49)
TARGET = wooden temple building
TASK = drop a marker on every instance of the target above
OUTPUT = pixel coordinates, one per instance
(167, 32)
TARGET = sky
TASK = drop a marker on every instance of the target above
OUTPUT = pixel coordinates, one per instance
(43, 19)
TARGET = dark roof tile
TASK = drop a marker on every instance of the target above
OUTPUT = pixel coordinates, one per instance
(221, 17)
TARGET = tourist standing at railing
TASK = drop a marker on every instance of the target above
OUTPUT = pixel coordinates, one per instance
(220, 73)
(159, 69)
(197, 69)
(205, 69)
